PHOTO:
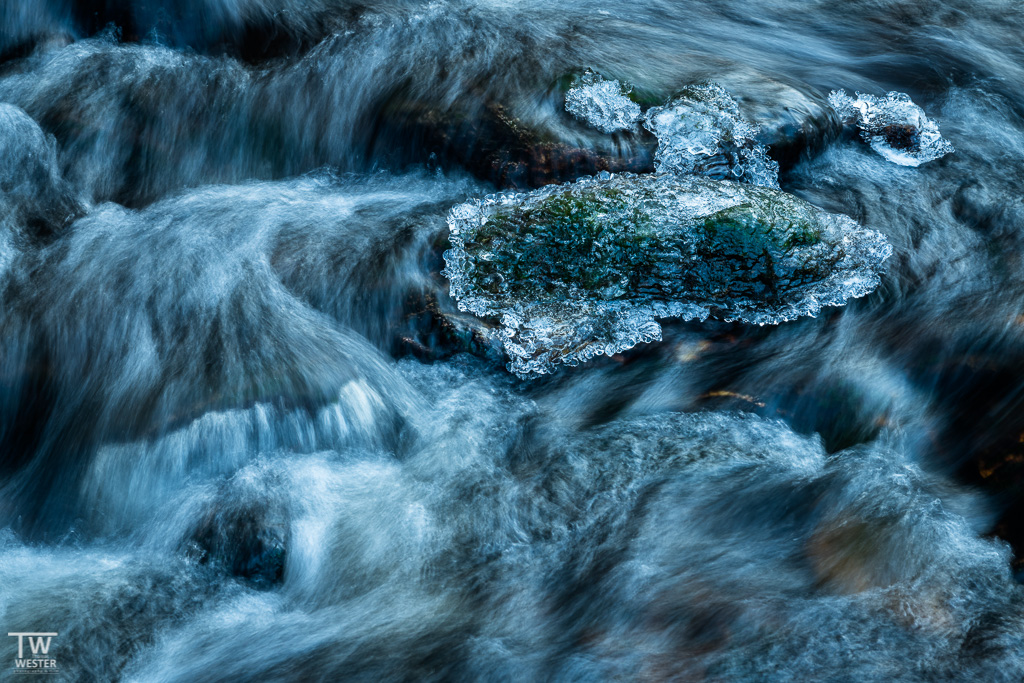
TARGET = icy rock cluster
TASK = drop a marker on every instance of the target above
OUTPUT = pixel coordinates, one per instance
(602, 104)
(893, 126)
(577, 270)
(702, 132)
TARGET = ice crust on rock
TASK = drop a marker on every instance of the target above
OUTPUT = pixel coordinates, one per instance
(701, 131)
(602, 104)
(581, 269)
(893, 126)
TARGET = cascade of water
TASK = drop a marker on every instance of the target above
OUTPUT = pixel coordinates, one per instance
(246, 432)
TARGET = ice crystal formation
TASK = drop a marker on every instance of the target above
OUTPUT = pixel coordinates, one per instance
(602, 104)
(893, 126)
(582, 269)
(702, 132)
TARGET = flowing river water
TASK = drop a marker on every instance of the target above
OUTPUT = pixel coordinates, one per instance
(242, 440)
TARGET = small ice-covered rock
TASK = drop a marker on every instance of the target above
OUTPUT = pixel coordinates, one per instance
(893, 126)
(577, 270)
(702, 132)
(602, 104)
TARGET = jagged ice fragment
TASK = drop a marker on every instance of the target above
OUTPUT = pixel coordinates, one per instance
(702, 132)
(585, 268)
(602, 104)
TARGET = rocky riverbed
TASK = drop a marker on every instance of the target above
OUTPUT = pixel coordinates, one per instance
(265, 268)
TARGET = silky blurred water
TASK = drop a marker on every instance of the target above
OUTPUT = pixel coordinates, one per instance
(237, 445)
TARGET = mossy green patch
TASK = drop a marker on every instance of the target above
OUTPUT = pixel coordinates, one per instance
(597, 240)
(747, 222)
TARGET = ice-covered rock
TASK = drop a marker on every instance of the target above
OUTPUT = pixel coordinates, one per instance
(602, 104)
(585, 268)
(702, 132)
(893, 126)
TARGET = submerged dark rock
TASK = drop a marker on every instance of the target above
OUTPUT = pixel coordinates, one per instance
(244, 538)
(794, 123)
(496, 145)
(582, 269)
(433, 329)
